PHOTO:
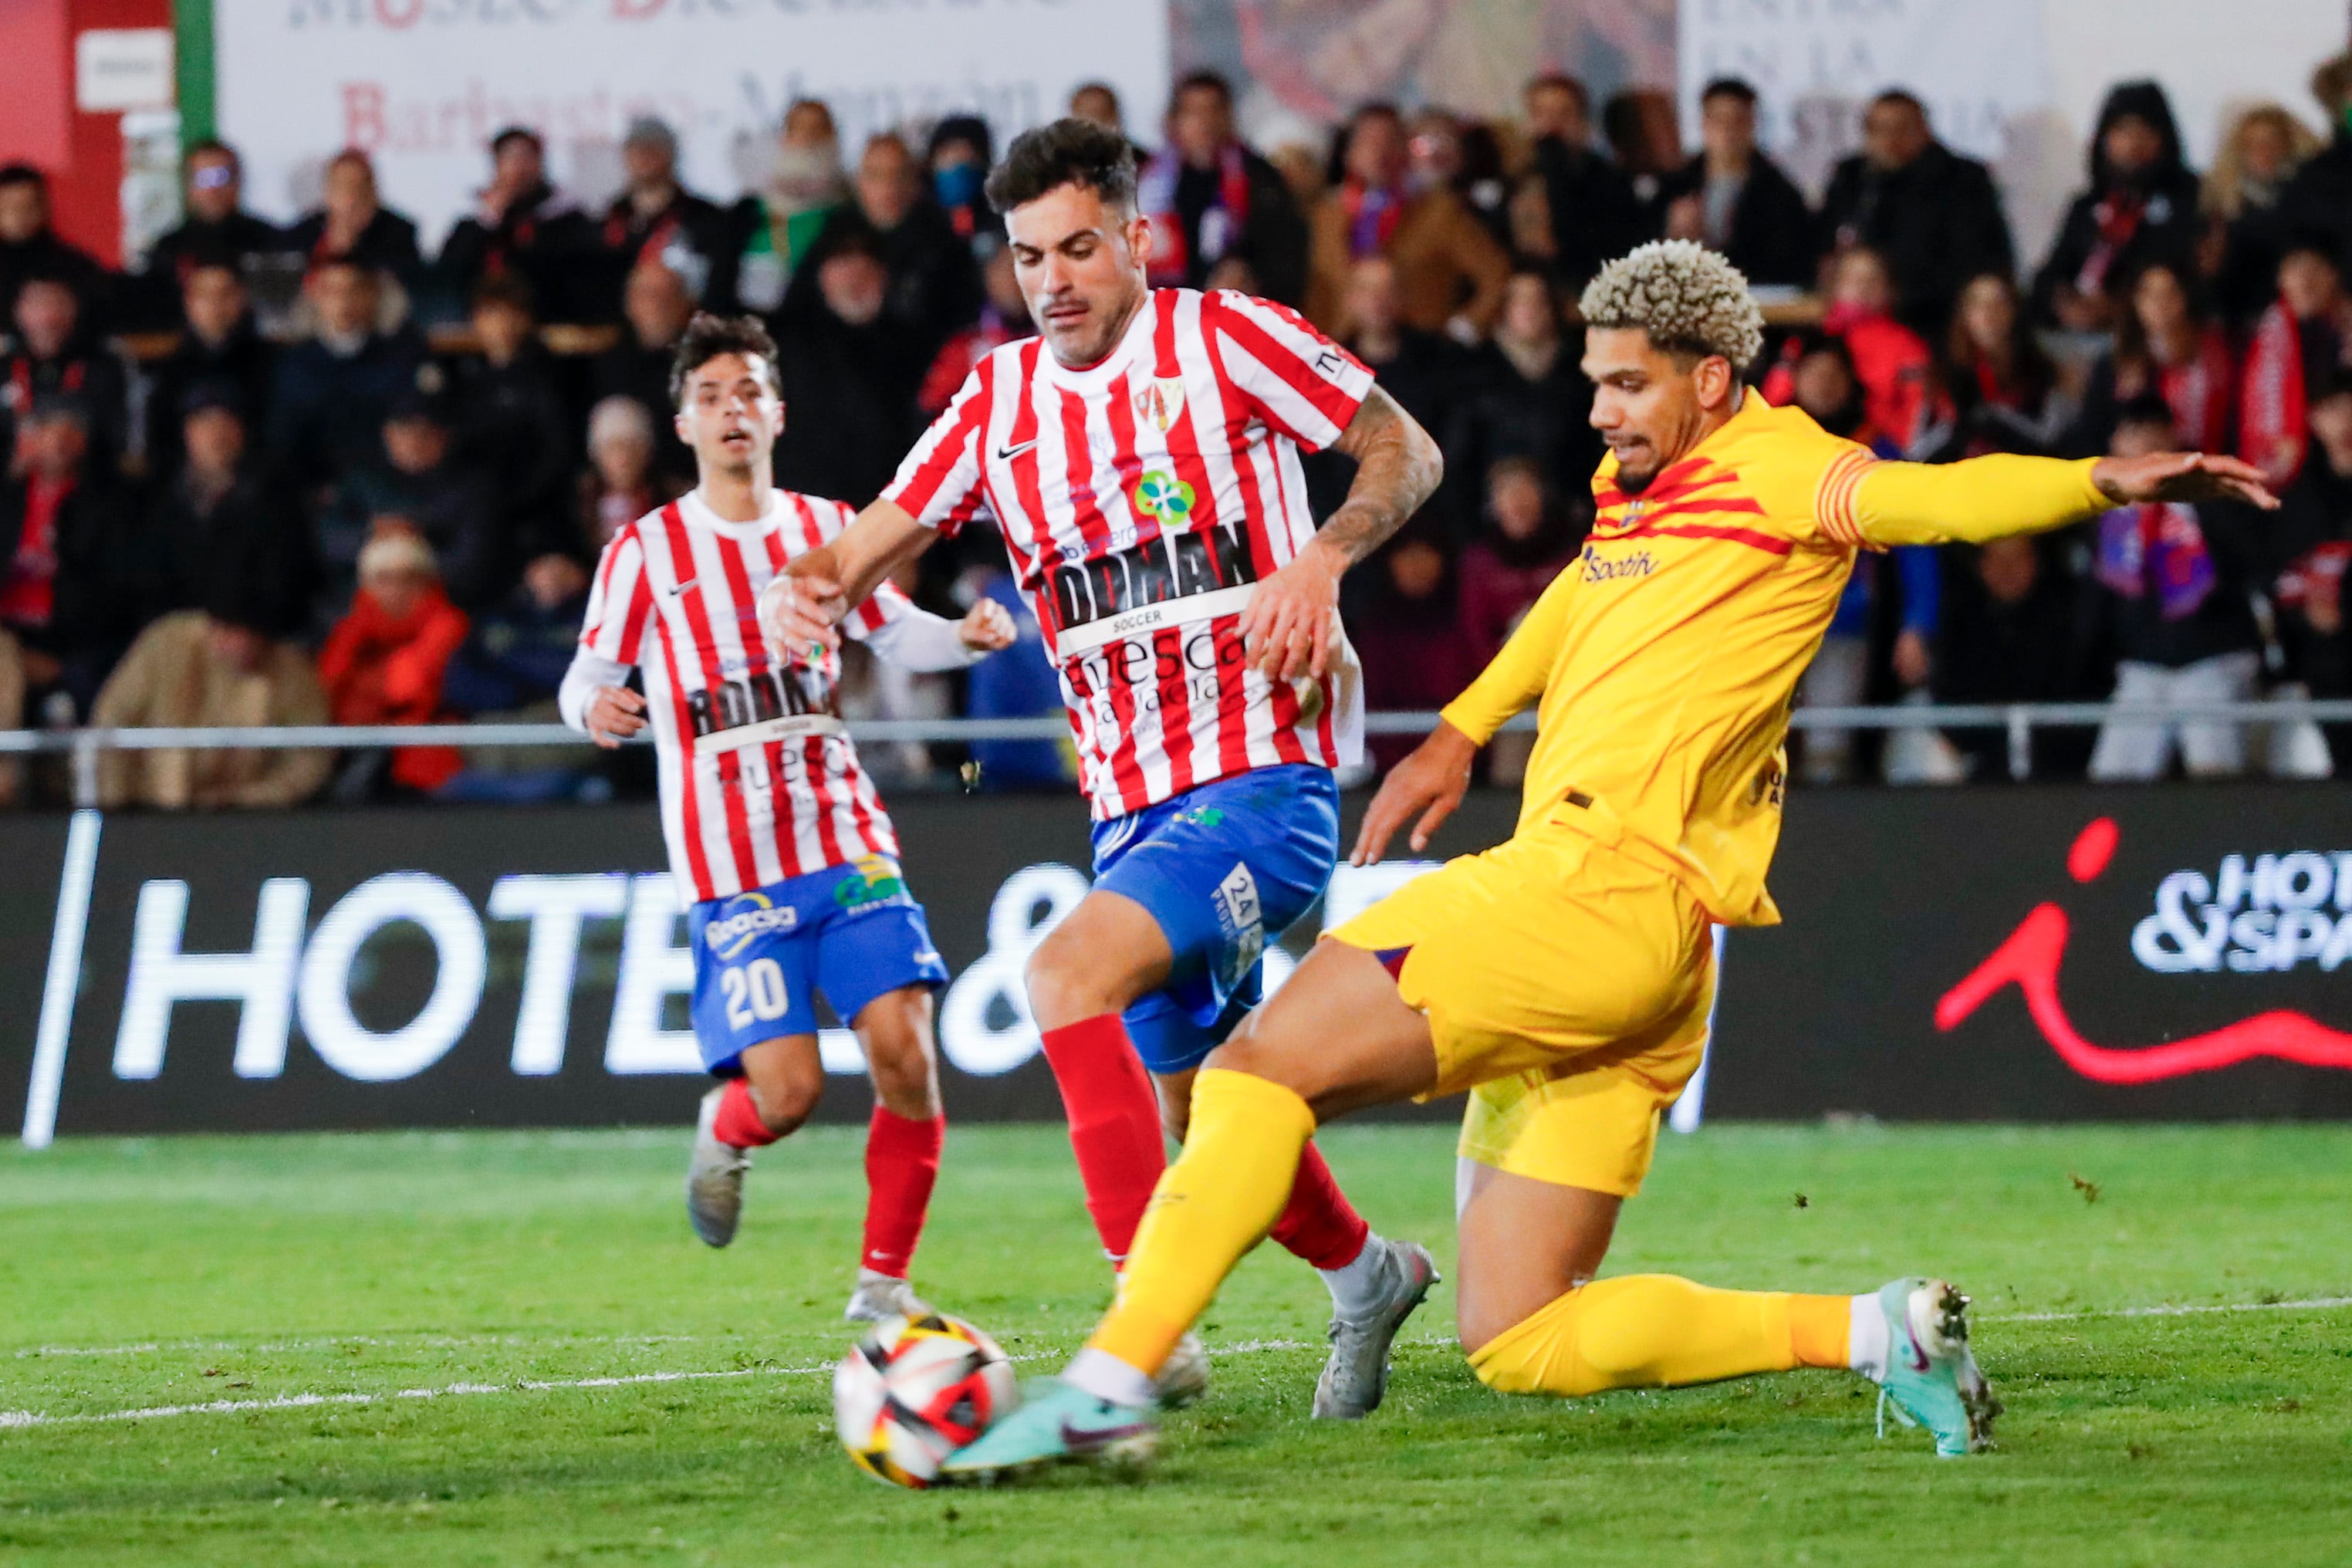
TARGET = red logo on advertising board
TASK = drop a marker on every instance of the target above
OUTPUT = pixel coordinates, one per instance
(2030, 960)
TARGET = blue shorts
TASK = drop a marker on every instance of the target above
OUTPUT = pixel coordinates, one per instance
(852, 932)
(1224, 868)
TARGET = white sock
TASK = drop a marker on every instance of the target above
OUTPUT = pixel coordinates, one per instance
(1867, 1339)
(1355, 1288)
(1104, 1376)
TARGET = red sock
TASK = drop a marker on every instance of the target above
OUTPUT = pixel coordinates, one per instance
(738, 1123)
(1318, 1224)
(902, 1161)
(1114, 1123)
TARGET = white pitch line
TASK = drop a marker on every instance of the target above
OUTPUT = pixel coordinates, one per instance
(2307, 1304)
(420, 1341)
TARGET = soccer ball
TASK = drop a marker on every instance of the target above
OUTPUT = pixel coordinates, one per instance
(913, 1391)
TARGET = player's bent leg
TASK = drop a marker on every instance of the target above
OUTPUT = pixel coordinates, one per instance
(1523, 1244)
(903, 1142)
(780, 1083)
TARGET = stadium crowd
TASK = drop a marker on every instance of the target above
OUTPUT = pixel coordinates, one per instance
(309, 474)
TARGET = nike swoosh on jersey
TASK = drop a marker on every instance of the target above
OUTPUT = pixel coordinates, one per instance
(676, 588)
(1006, 454)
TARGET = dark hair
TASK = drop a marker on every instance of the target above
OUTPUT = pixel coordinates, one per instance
(2132, 345)
(1571, 85)
(518, 133)
(2148, 408)
(1903, 95)
(1065, 153)
(709, 336)
(24, 174)
(1728, 87)
(212, 146)
(508, 288)
(2030, 372)
(1202, 81)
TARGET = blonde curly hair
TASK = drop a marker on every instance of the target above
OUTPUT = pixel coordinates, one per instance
(1686, 297)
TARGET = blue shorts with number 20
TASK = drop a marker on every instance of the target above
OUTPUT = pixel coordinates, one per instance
(1224, 868)
(852, 932)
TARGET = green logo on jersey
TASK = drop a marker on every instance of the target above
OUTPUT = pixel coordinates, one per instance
(1162, 497)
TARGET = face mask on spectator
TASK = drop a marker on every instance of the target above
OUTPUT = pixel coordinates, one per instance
(957, 185)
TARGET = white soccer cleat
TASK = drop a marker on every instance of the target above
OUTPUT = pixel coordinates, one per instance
(714, 1179)
(880, 1296)
(1184, 1376)
(1356, 1375)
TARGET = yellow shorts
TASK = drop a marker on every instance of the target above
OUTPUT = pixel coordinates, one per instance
(1567, 985)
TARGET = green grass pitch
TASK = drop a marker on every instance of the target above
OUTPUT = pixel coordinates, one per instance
(481, 1267)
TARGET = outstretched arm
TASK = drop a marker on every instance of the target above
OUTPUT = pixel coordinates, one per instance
(1986, 497)
(800, 608)
(1288, 626)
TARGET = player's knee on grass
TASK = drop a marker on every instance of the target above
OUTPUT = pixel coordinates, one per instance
(895, 1032)
(787, 1078)
(1549, 1351)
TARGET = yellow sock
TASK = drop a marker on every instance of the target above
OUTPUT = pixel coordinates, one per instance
(1241, 1155)
(1654, 1330)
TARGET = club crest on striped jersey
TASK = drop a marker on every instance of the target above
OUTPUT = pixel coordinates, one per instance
(1159, 401)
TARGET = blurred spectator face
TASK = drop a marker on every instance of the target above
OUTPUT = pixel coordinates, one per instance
(51, 446)
(398, 592)
(241, 648)
(2139, 438)
(650, 162)
(2161, 303)
(212, 301)
(1004, 284)
(1095, 102)
(1373, 302)
(2331, 427)
(1233, 272)
(1199, 123)
(809, 123)
(2009, 568)
(46, 313)
(1860, 283)
(2132, 144)
(1376, 151)
(1081, 268)
(623, 458)
(214, 441)
(1823, 385)
(24, 211)
(1416, 568)
(1988, 314)
(1515, 500)
(553, 581)
(2309, 284)
(416, 445)
(517, 166)
(1893, 133)
(349, 195)
(657, 304)
(732, 413)
(855, 286)
(1727, 129)
(214, 189)
(2263, 147)
(1434, 150)
(503, 328)
(887, 183)
(1556, 109)
(1528, 313)
(344, 297)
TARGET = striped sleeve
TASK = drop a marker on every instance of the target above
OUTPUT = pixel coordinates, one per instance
(1298, 381)
(938, 484)
(1836, 510)
(620, 601)
(1969, 501)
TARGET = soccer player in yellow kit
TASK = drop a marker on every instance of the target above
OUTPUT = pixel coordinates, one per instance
(1564, 975)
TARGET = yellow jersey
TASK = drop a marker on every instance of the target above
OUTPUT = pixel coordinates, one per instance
(1664, 660)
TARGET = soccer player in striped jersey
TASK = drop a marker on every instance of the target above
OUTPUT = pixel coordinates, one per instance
(777, 840)
(1141, 459)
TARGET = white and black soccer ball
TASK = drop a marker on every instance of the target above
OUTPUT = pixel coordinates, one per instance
(913, 1391)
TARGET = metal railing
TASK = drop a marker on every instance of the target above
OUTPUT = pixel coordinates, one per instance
(2017, 720)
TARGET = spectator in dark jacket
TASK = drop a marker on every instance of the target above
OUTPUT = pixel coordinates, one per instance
(353, 222)
(1523, 396)
(1209, 197)
(218, 516)
(51, 349)
(2312, 547)
(1422, 371)
(2247, 217)
(850, 372)
(29, 246)
(1738, 200)
(1588, 214)
(1996, 390)
(77, 572)
(332, 390)
(1932, 213)
(2319, 198)
(217, 346)
(418, 485)
(657, 308)
(507, 413)
(508, 669)
(217, 231)
(2166, 343)
(523, 223)
(1645, 142)
(958, 157)
(2141, 208)
(1529, 538)
(931, 286)
(655, 219)
(2007, 634)
(1419, 658)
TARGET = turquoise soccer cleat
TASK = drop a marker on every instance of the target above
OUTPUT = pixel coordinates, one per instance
(1932, 1378)
(1055, 1422)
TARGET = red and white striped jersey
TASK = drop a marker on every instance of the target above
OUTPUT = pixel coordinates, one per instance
(760, 780)
(1140, 498)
